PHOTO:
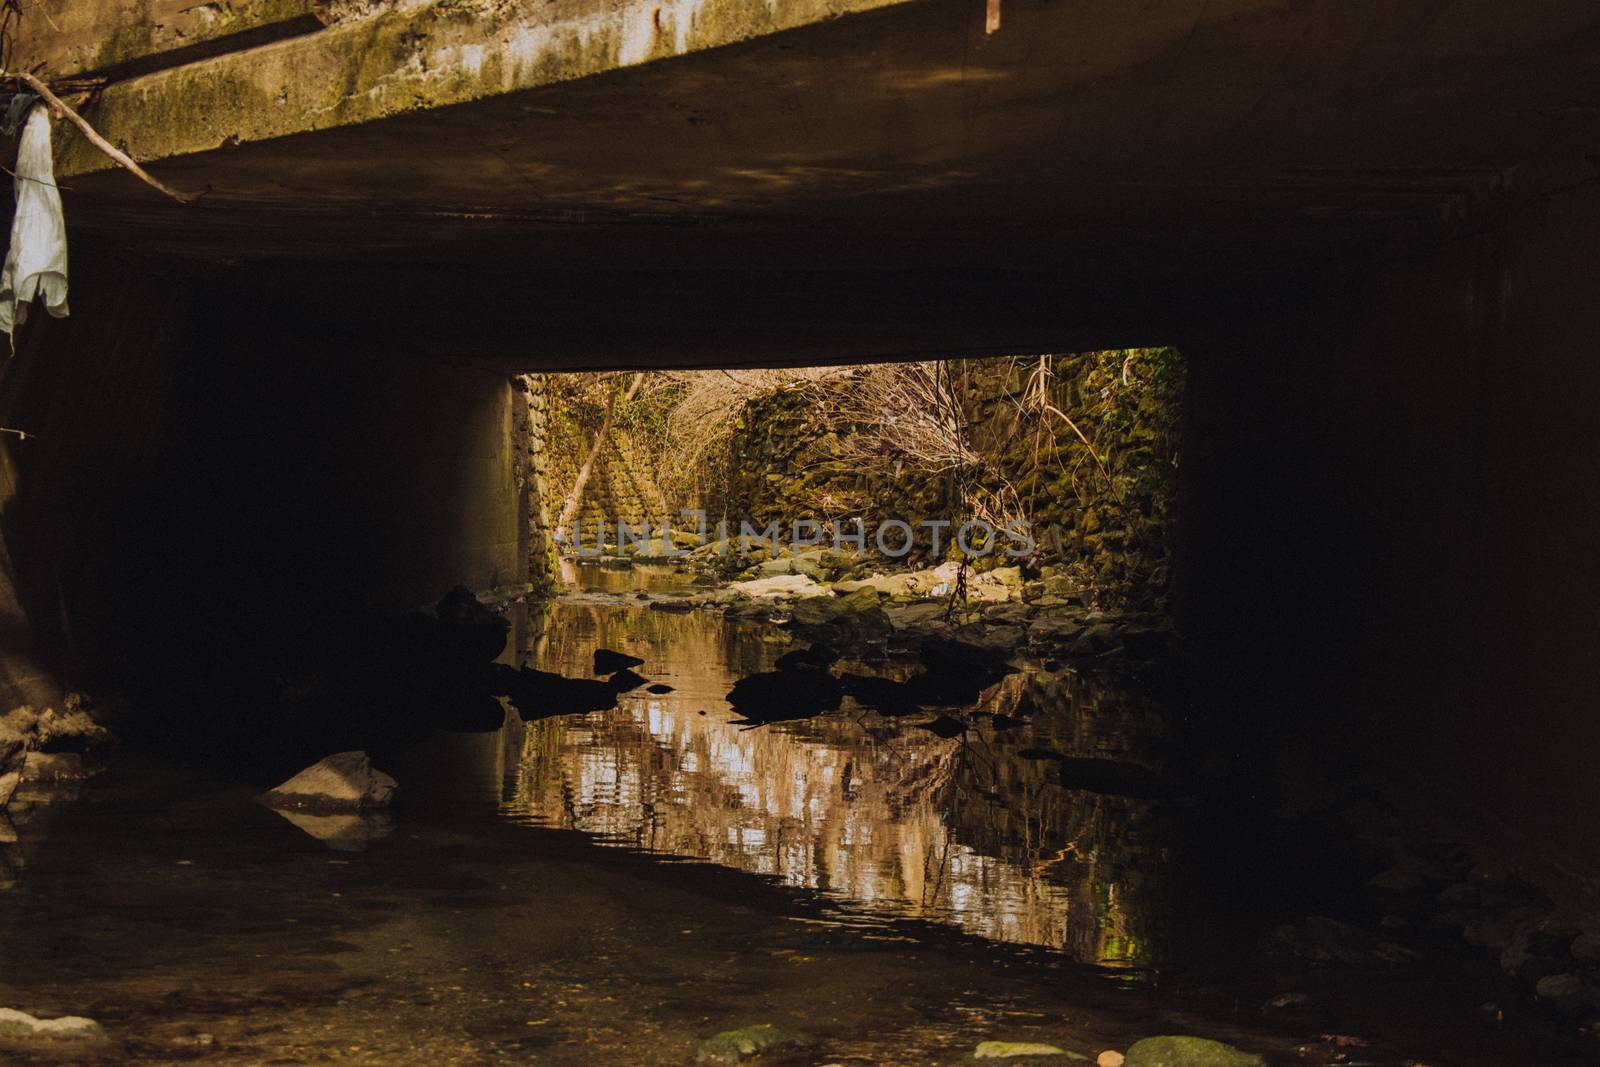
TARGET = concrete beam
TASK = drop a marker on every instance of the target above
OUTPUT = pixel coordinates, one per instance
(119, 37)
(365, 67)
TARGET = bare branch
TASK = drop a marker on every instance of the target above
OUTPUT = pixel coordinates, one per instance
(117, 155)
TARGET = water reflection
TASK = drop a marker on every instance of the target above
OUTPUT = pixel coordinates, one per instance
(857, 805)
(612, 578)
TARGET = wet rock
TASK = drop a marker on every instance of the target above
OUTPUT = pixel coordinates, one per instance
(544, 694)
(13, 753)
(344, 782)
(20, 1026)
(467, 712)
(924, 615)
(1097, 640)
(1012, 613)
(1026, 1050)
(1585, 948)
(841, 621)
(779, 586)
(469, 630)
(1538, 946)
(1568, 994)
(1188, 1052)
(56, 767)
(817, 657)
(999, 641)
(1497, 929)
(19, 721)
(1291, 1006)
(72, 729)
(1056, 628)
(607, 661)
(780, 696)
(1323, 940)
(497, 679)
(790, 565)
(884, 695)
(951, 657)
(732, 1046)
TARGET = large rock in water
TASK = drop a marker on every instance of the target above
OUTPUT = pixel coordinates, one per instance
(344, 782)
(468, 630)
(841, 621)
(1188, 1052)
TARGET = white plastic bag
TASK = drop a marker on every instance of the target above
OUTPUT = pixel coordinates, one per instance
(36, 262)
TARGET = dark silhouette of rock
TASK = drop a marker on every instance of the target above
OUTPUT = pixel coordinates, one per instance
(817, 657)
(543, 695)
(944, 726)
(607, 661)
(472, 713)
(626, 681)
(778, 696)
(468, 629)
(949, 657)
(659, 688)
(884, 695)
(1111, 777)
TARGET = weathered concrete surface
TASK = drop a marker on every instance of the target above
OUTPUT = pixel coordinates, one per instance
(371, 63)
(74, 37)
(1090, 175)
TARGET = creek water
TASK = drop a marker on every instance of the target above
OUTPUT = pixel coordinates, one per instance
(617, 886)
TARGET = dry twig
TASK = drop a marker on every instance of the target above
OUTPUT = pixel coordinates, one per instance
(117, 155)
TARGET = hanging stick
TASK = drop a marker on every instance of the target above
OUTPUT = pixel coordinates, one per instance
(118, 156)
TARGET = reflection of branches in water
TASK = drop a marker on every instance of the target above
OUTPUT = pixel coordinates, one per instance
(857, 806)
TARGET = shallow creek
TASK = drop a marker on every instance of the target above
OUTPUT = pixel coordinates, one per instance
(617, 886)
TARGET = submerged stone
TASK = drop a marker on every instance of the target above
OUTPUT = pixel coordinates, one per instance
(1011, 1050)
(731, 1046)
(1188, 1052)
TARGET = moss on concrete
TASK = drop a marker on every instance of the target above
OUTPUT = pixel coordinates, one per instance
(448, 52)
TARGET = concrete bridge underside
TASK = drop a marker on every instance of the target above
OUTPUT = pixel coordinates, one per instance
(1373, 226)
